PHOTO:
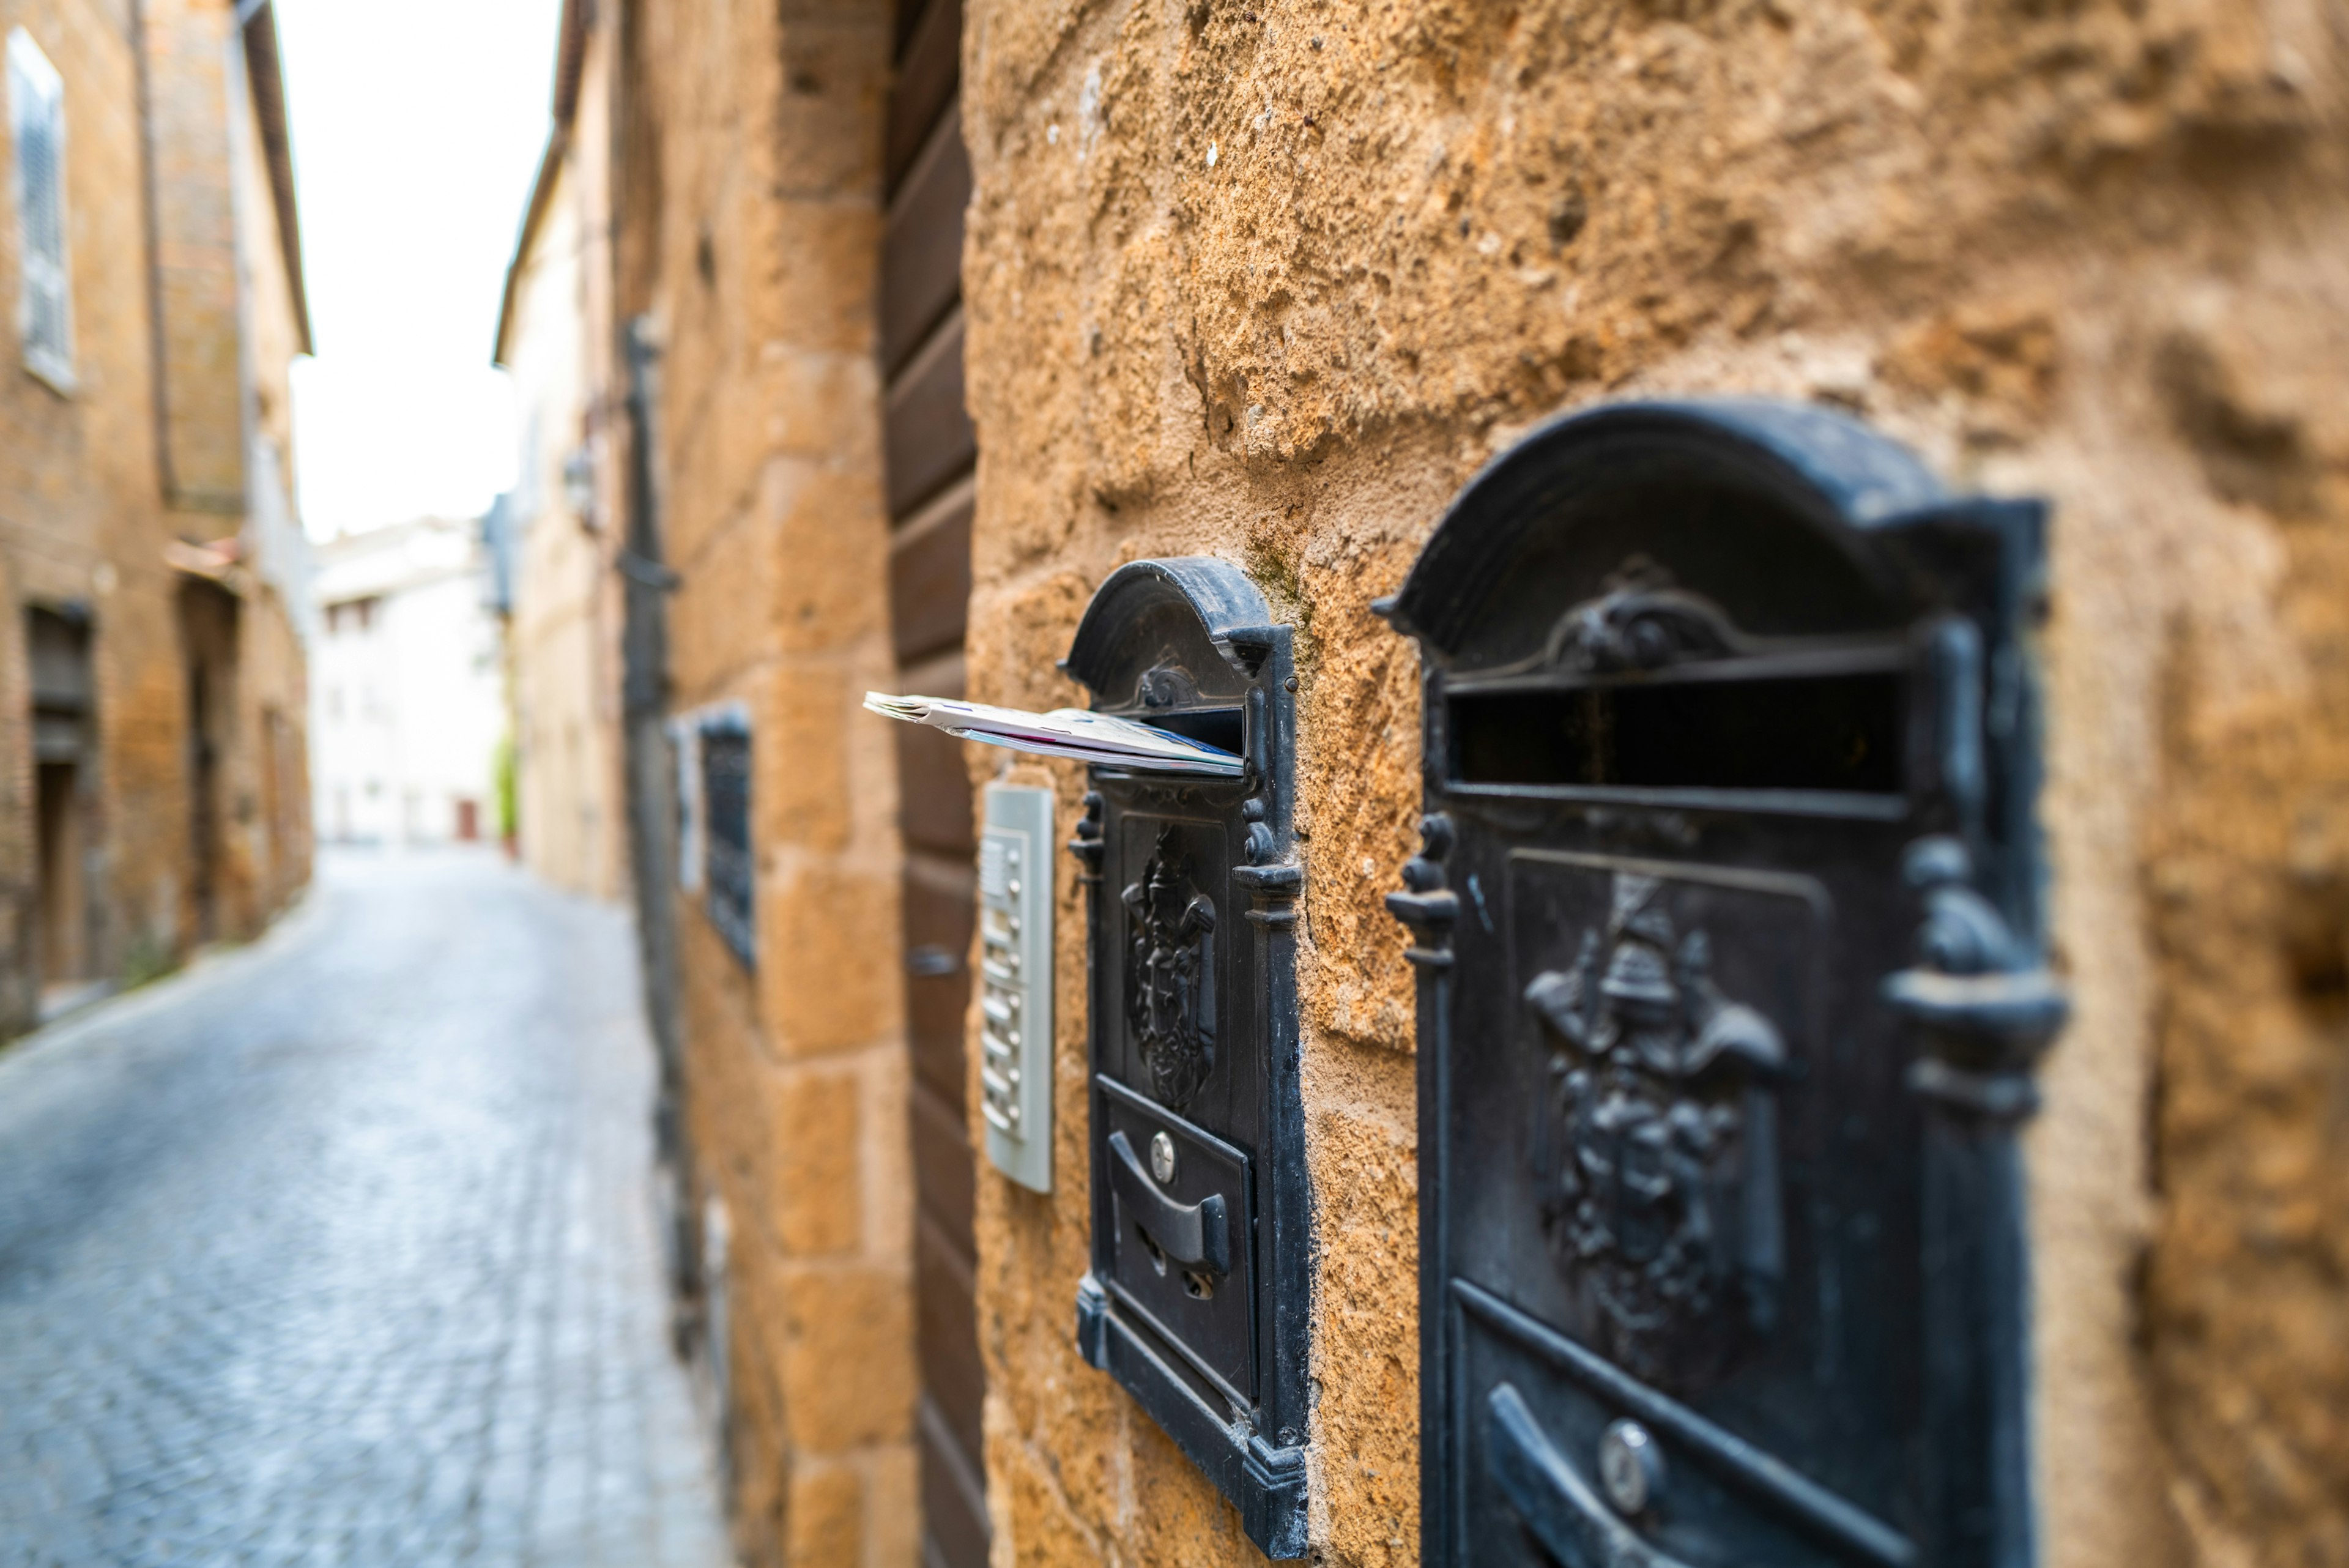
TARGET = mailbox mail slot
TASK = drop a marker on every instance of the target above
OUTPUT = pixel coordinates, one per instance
(1196, 1298)
(1730, 992)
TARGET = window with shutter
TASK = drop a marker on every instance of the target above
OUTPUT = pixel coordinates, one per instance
(37, 123)
(731, 895)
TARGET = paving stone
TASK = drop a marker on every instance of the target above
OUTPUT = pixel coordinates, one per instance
(340, 1248)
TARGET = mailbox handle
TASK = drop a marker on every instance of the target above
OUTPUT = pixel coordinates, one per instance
(1556, 1504)
(1195, 1235)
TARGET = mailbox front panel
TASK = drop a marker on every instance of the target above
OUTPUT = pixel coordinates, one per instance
(1684, 1145)
(1196, 1298)
(1729, 996)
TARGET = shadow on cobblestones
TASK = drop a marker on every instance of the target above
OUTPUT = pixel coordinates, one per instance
(339, 1250)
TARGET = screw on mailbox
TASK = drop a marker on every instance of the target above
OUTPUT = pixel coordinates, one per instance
(1631, 1468)
(1162, 1158)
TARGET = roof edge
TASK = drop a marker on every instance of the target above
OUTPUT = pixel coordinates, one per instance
(570, 64)
(265, 71)
(542, 196)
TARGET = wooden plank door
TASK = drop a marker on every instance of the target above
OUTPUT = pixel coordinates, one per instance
(931, 451)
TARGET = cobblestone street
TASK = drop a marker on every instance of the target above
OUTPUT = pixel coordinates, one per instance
(339, 1250)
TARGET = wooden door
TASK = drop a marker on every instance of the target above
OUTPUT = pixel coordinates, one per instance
(930, 452)
(208, 635)
(64, 690)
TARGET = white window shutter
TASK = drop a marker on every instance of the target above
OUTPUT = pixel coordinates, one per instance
(36, 124)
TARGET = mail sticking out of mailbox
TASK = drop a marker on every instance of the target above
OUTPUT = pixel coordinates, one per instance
(1088, 737)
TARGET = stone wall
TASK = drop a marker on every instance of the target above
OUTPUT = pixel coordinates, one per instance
(196, 283)
(748, 201)
(87, 511)
(76, 481)
(1270, 279)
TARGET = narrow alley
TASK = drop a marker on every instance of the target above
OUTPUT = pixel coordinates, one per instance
(339, 1250)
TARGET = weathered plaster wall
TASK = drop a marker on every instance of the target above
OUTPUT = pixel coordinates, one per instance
(561, 631)
(559, 339)
(751, 199)
(1269, 279)
(269, 828)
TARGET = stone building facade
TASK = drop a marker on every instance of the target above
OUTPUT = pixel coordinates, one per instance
(409, 673)
(154, 792)
(1270, 283)
(554, 336)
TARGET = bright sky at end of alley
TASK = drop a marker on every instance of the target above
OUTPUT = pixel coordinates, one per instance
(417, 132)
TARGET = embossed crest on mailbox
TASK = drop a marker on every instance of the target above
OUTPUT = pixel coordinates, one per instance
(1730, 993)
(1198, 1295)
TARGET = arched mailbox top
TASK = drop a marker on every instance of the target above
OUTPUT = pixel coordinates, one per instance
(1170, 634)
(1764, 509)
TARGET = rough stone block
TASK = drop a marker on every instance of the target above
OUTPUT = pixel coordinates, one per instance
(801, 793)
(892, 1507)
(721, 620)
(1366, 1356)
(847, 1352)
(822, 403)
(834, 75)
(818, 1130)
(831, 536)
(825, 1517)
(829, 965)
(825, 264)
(1034, 1524)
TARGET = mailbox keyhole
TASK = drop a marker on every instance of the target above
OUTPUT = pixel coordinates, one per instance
(1199, 1286)
(1157, 1253)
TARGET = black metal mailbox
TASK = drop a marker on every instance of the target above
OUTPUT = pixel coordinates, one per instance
(1197, 1295)
(1730, 993)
